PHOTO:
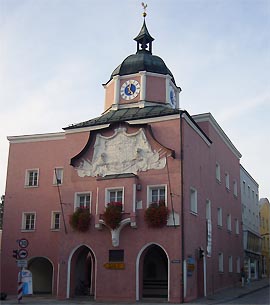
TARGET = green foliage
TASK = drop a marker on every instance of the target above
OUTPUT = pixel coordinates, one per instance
(80, 219)
(113, 214)
(156, 215)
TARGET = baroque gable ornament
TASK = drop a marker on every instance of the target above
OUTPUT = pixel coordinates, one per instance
(121, 153)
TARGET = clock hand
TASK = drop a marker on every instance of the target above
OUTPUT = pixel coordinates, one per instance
(129, 89)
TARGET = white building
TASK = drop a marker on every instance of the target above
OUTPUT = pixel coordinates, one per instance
(251, 224)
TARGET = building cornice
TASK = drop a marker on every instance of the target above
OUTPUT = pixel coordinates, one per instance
(207, 117)
(37, 137)
(249, 176)
(86, 129)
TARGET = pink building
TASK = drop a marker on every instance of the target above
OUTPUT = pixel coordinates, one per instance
(142, 152)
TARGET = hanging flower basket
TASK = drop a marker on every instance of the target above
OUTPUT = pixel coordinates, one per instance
(113, 214)
(80, 219)
(156, 215)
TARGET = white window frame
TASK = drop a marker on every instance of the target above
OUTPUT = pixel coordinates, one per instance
(219, 217)
(220, 262)
(77, 201)
(193, 200)
(218, 175)
(59, 170)
(229, 222)
(24, 216)
(27, 177)
(114, 189)
(53, 220)
(150, 188)
(227, 181)
(230, 264)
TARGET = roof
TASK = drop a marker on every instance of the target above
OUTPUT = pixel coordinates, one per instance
(126, 114)
(143, 60)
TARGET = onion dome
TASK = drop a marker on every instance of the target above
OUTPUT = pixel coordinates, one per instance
(143, 60)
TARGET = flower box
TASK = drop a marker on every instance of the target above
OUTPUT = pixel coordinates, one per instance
(80, 220)
(113, 214)
(156, 215)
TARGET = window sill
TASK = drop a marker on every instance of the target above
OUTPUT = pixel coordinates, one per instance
(27, 231)
(218, 181)
(30, 186)
(55, 230)
(193, 213)
(219, 227)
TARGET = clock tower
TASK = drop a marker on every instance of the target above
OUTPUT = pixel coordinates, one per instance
(142, 79)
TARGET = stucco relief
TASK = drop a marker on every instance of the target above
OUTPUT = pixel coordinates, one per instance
(121, 153)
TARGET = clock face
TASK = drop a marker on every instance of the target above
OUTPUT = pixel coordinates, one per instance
(172, 97)
(130, 89)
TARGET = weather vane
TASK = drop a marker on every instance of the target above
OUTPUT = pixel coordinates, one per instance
(144, 8)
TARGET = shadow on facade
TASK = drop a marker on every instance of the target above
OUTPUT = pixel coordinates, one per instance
(42, 275)
(82, 275)
(155, 273)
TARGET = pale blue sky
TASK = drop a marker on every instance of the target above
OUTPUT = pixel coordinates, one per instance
(56, 54)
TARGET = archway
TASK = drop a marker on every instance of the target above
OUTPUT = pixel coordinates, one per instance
(42, 275)
(153, 269)
(82, 272)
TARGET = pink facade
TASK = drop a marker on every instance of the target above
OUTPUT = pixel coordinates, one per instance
(142, 150)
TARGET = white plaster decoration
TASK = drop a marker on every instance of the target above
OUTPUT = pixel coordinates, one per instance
(173, 219)
(121, 153)
(168, 81)
(143, 86)
(116, 89)
(139, 205)
(116, 232)
(134, 198)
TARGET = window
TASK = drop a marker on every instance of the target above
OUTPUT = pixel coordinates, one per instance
(218, 172)
(238, 264)
(237, 226)
(230, 263)
(235, 191)
(227, 181)
(28, 221)
(114, 195)
(193, 200)
(229, 222)
(82, 200)
(157, 193)
(244, 187)
(58, 176)
(31, 178)
(248, 191)
(220, 262)
(55, 221)
(208, 210)
(219, 217)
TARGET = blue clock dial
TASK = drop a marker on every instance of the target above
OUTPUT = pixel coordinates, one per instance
(130, 89)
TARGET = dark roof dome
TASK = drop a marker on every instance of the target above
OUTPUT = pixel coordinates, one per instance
(143, 60)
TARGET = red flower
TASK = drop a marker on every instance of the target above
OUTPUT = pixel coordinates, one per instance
(156, 215)
(113, 214)
(80, 219)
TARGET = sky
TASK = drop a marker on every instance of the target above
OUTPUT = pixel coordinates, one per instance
(56, 54)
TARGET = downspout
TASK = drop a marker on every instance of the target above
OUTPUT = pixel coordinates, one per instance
(182, 207)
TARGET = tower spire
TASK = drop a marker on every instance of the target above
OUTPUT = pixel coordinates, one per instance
(144, 39)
